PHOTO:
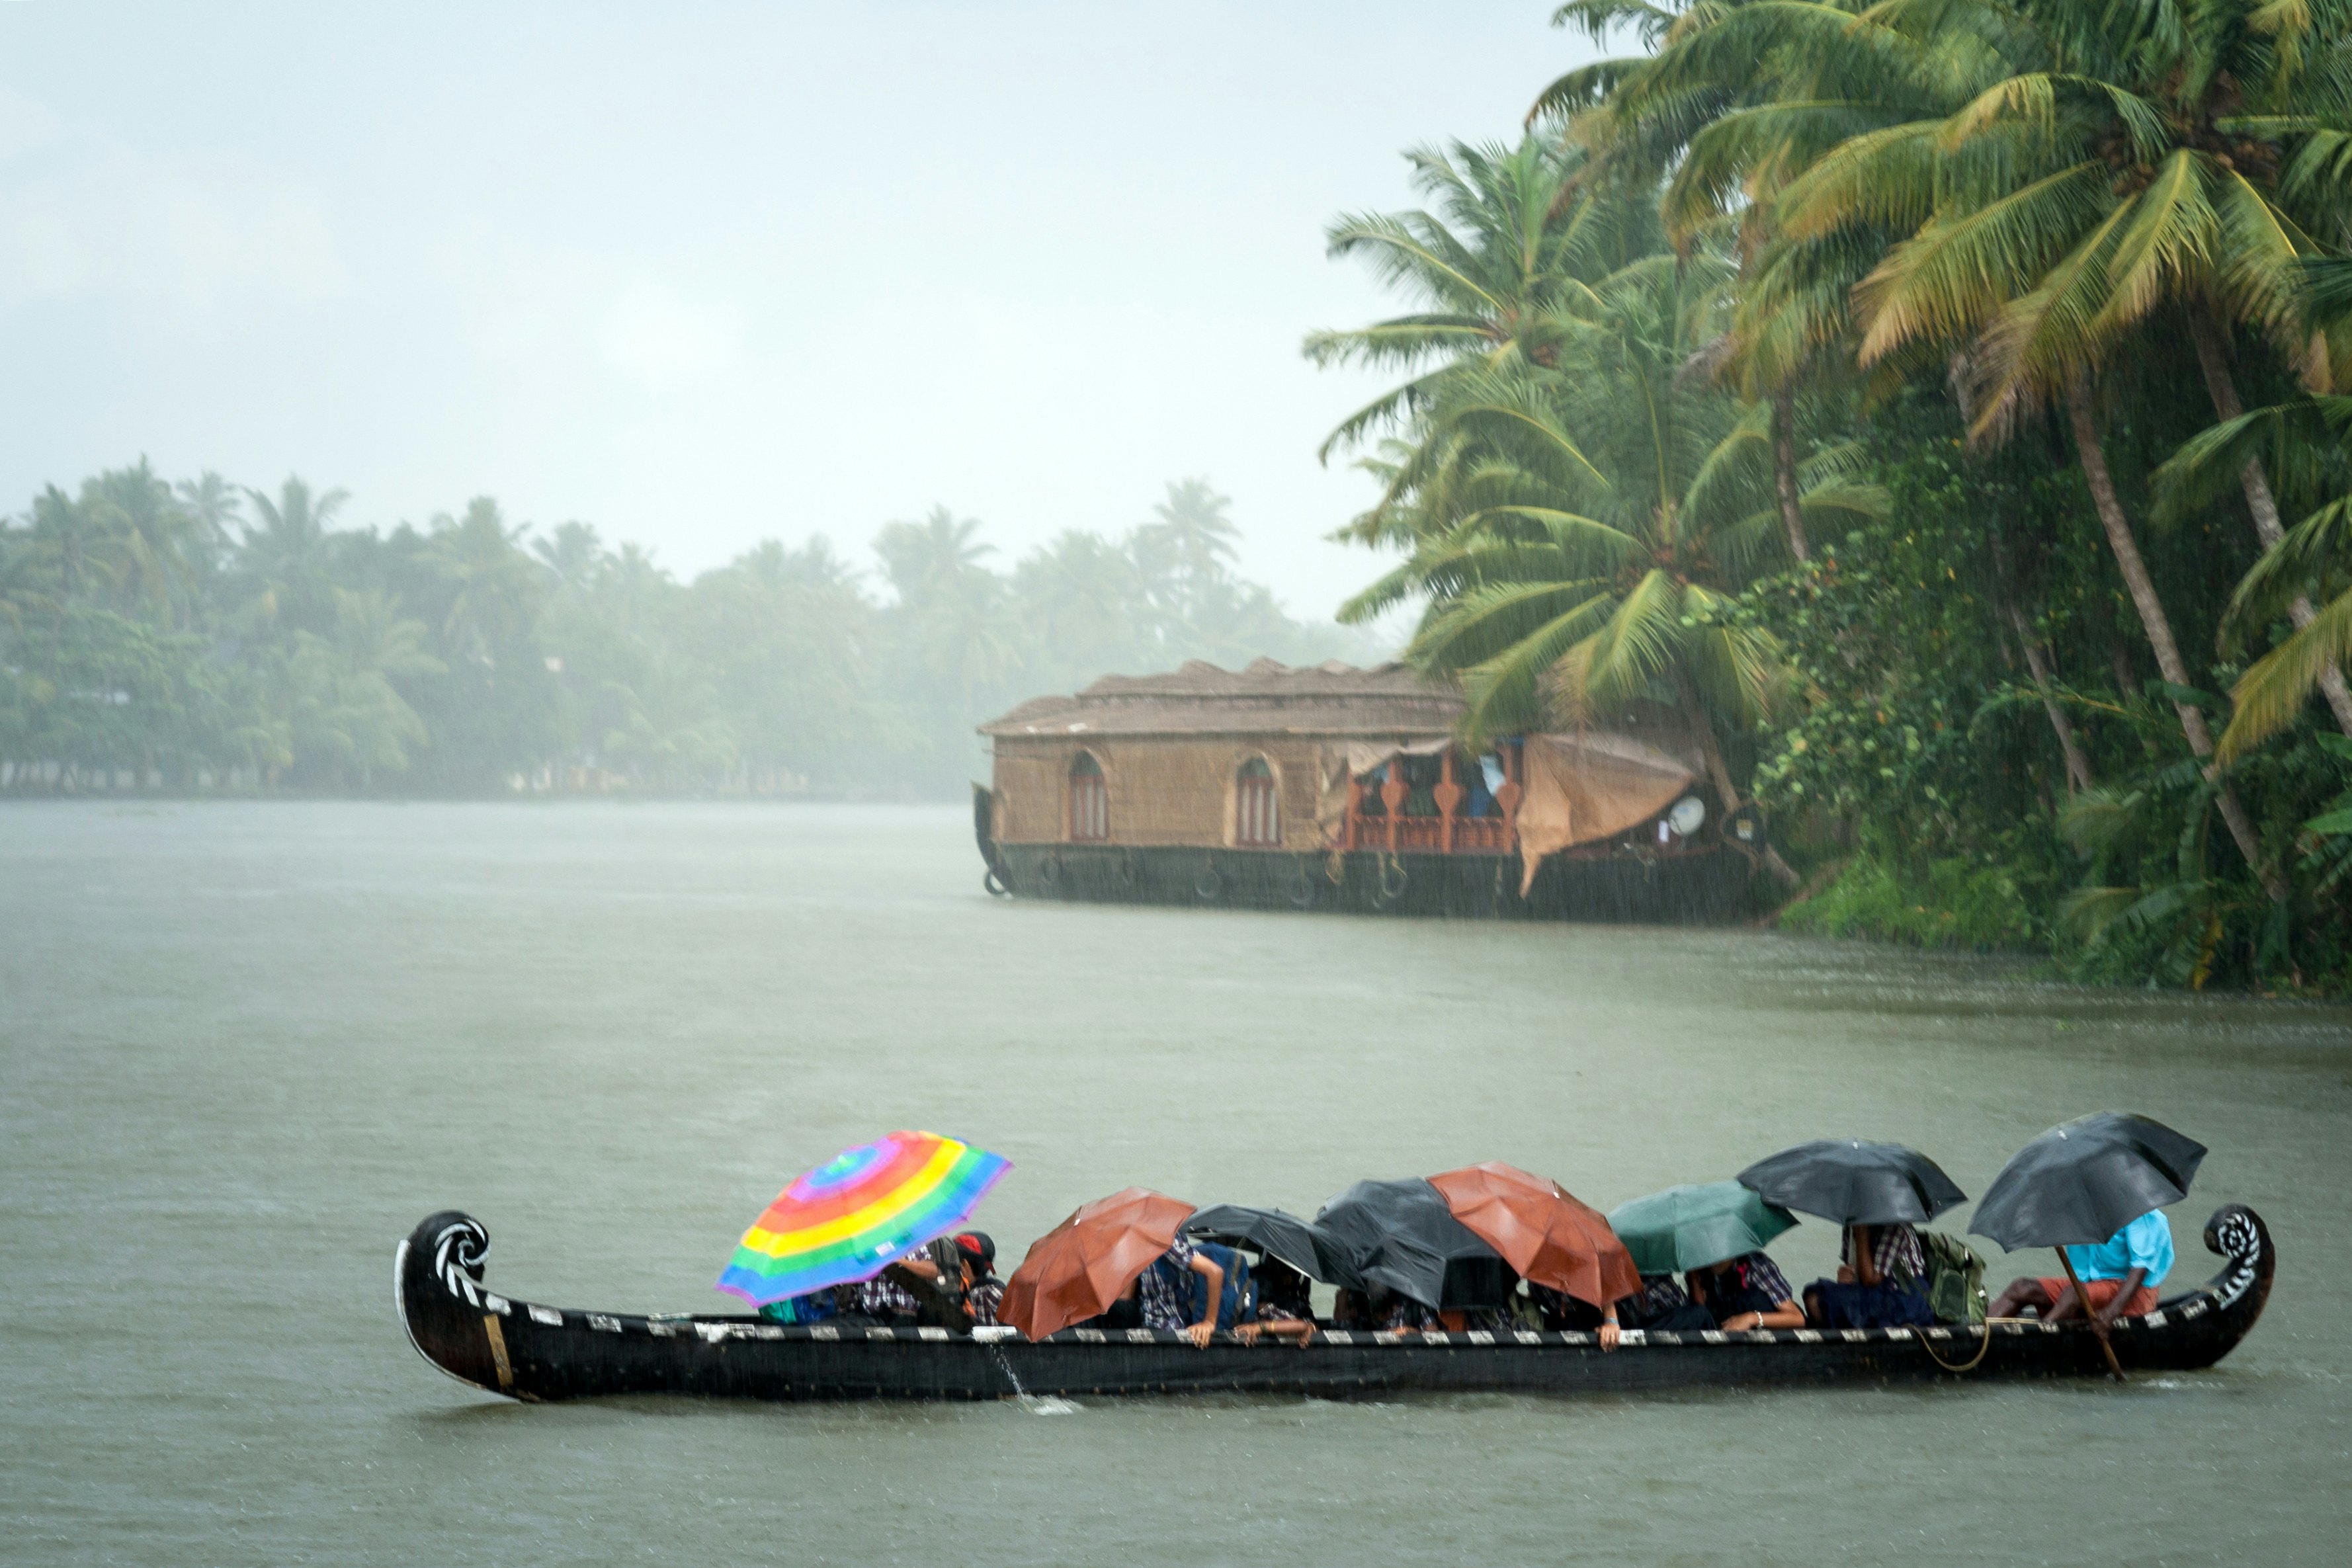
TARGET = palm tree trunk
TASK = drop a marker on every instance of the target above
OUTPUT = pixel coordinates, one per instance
(2078, 765)
(1784, 468)
(2212, 358)
(2156, 624)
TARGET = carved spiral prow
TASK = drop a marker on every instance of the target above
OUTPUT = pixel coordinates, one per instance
(2239, 1235)
(436, 1284)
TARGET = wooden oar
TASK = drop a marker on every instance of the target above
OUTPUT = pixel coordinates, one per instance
(2098, 1328)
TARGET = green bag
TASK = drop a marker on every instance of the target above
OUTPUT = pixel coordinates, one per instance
(1955, 1291)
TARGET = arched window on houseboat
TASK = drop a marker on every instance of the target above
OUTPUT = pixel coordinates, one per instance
(1090, 801)
(1257, 814)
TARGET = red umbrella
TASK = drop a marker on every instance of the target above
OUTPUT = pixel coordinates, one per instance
(1541, 1230)
(1077, 1269)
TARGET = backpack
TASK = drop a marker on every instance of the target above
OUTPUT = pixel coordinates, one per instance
(1955, 1291)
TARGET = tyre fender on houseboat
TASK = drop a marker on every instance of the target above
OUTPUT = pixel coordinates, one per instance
(502, 1345)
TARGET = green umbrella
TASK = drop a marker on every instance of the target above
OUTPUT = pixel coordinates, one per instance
(1686, 1228)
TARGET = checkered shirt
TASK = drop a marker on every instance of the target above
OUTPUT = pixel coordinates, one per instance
(1765, 1275)
(985, 1299)
(883, 1297)
(1163, 1307)
(1894, 1252)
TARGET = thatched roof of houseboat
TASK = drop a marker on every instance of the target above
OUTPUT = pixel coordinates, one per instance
(1199, 698)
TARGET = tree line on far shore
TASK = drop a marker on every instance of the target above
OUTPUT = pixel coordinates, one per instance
(201, 637)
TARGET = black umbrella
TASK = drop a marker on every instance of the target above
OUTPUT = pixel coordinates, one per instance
(1854, 1183)
(1401, 1234)
(1297, 1242)
(2080, 1183)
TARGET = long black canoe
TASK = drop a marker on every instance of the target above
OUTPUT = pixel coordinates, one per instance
(526, 1351)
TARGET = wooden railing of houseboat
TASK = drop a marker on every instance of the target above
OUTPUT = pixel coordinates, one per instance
(1448, 833)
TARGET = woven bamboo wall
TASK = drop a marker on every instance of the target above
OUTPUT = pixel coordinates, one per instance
(1164, 790)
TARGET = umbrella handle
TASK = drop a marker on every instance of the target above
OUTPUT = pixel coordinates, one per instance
(2097, 1327)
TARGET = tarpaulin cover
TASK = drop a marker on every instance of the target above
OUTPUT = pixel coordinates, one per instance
(1595, 785)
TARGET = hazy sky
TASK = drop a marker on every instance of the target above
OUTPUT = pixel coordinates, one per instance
(706, 274)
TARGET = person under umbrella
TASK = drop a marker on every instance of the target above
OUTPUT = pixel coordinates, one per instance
(1414, 1265)
(1716, 1231)
(2094, 1189)
(1663, 1304)
(1292, 1253)
(1880, 1193)
(1747, 1292)
(2117, 1278)
(983, 1292)
(1108, 1255)
(1576, 1268)
(869, 1210)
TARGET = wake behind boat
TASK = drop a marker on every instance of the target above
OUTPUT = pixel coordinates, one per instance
(531, 1352)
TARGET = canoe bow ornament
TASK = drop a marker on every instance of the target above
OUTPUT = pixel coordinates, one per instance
(457, 1255)
(2236, 1233)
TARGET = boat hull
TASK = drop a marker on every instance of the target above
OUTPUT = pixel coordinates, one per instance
(1709, 887)
(531, 1352)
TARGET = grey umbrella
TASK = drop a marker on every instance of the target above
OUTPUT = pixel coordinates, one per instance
(1401, 1235)
(2080, 1183)
(1297, 1242)
(1854, 1182)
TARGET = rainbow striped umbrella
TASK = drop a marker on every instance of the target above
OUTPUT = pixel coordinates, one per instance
(852, 1216)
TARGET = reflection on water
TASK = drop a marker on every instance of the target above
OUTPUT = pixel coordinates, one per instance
(245, 1047)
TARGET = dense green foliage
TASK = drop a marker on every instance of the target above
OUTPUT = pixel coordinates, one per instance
(197, 637)
(1874, 388)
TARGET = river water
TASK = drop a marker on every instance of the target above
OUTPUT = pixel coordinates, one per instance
(246, 1047)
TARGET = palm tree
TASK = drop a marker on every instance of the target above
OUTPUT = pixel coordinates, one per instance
(2310, 442)
(159, 538)
(1500, 267)
(287, 551)
(937, 560)
(372, 725)
(494, 586)
(2057, 173)
(1581, 531)
(76, 547)
(637, 587)
(1090, 603)
(1735, 98)
(2126, 166)
(574, 555)
(1190, 539)
(213, 502)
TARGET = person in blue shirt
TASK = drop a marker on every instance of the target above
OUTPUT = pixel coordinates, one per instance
(2119, 1277)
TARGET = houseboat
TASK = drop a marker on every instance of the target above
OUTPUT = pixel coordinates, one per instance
(1342, 789)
